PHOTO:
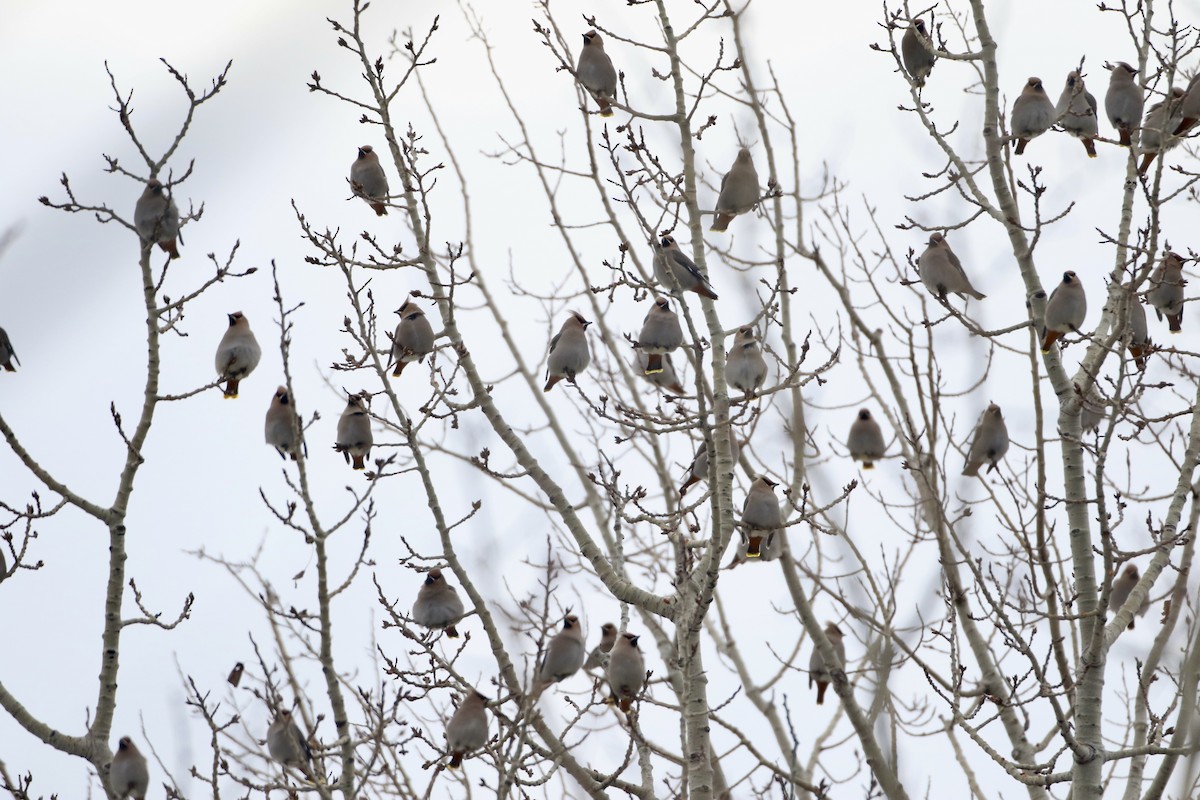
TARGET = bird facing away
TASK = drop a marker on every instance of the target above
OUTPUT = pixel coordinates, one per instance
(237, 354)
(1065, 310)
(675, 272)
(7, 354)
(942, 272)
(596, 72)
(128, 775)
(569, 352)
(1166, 293)
(1122, 585)
(760, 512)
(599, 655)
(1138, 332)
(286, 743)
(739, 191)
(1158, 129)
(1032, 114)
(990, 442)
(698, 471)
(437, 604)
(368, 180)
(565, 653)
(866, 440)
(467, 730)
(918, 59)
(1124, 102)
(354, 438)
(1077, 112)
(413, 339)
(745, 367)
(818, 672)
(661, 333)
(1190, 107)
(667, 379)
(626, 671)
(156, 218)
(283, 424)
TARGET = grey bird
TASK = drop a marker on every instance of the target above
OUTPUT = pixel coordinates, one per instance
(565, 653)
(626, 671)
(368, 180)
(698, 471)
(7, 354)
(1158, 130)
(818, 671)
(990, 442)
(569, 352)
(156, 218)
(667, 379)
(467, 730)
(1065, 310)
(128, 775)
(354, 438)
(286, 743)
(1138, 331)
(283, 425)
(1124, 102)
(1091, 412)
(438, 605)
(739, 191)
(413, 339)
(1190, 107)
(599, 655)
(1166, 293)
(942, 272)
(1122, 585)
(596, 72)
(1078, 113)
(674, 271)
(866, 440)
(1032, 114)
(761, 515)
(237, 354)
(918, 59)
(745, 367)
(661, 333)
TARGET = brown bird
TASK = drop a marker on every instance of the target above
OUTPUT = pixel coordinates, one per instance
(1124, 102)
(368, 180)
(739, 191)
(599, 655)
(866, 440)
(156, 218)
(596, 72)
(286, 743)
(698, 471)
(1158, 129)
(128, 775)
(918, 60)
(467, 730)
(626, 671)
(438, 604)
(1122, 585)
(818, 671)
(1166, 292)
(1139, 344)
(282, 425)
(569, 351)
(1032, 114)
(1065, 310)
(661, 333)
(354, 438)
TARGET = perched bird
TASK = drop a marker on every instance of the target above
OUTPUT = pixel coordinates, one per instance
(1122, 585)
(569, 353)
(745, 367)
(942, 272)
(1077, 112)
(235, 674)
(1032, 114)
(599, 655)
(354, 439)
(1158, 130)
(1065, 310)
(7, 354)
(237, 354)
(156, 218)
(661, 333)
(1124, 102)
(667, 379)
(368, 180)
(467, 730)
(286, 743)
(866, 440)
(990, 442)
(1190, 107)
(565, 653)
(626, 671)
(437, 604)
(283, 425)
(413, 339)
(1139, 332)
(760, 512)
(1166, 293)
(673, 269)
(1091, 412)
(918, 59)
(818, 671)
(128, 775)
(596, 72)
(739, 191)
(698, 471)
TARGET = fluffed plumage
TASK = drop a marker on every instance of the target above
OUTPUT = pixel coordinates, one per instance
(661, 333)
(413, 339)
(626, 671)
(1166, 292)
(569, 352)
(128, 774)
(989, 443)
(1077, 112)
(918, 59)
(438, 605)
(597, 73)
(1032, 114)
(354, 438)
(942, 272)
(156, 218)
(1065, 310)
(467, 730)
(1124, 102)
(237, 354)
(865, 441)
(818, 671)
(369, 181)
(283, 424)
(739, 191)
(761, 515)
(745, 366)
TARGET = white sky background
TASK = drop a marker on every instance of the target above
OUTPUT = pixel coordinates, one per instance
(69, 299)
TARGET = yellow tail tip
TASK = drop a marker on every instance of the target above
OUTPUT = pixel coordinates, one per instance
(229, 396)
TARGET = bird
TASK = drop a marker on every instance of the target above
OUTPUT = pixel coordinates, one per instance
(918, 59)
(286, 743)
(1032, 114)
(596, 72)
(1091, 412)
(354, 437)
(1065, 310)
(770, 550)
(1166, 293)
(369, 181)
(565, 653)
(674, 270)
(237, 354)
(438, 604)
(661, 333)
(1077, 112)
(818, 672)
(990, 442)
(626, 671)
(413, 339)
(745, 367)
(760, 512)
(235, 674)
(1139, 332)
(156, 218)
(1190, 107)
(942, 272)
(467, 730)
(7, 354)
(739, 191)
(283, 425)
(698, 471)
(1159, 126)
(1124, 102)
(128, 775)
(667, 379)
(866, 440)
(569, 354)
(1122, 585)
(599, 655)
